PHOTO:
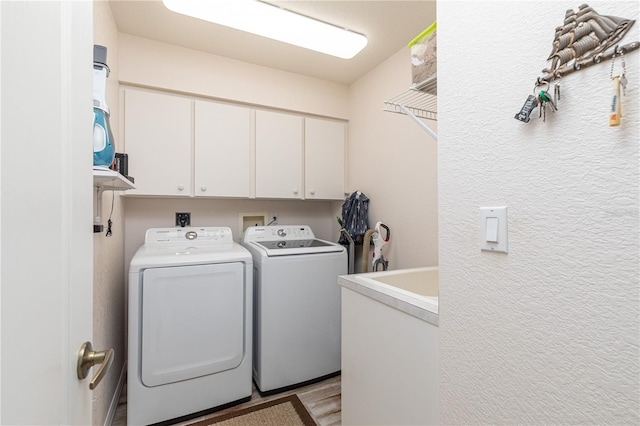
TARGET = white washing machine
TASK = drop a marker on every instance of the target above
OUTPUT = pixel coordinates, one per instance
(296, 306)
(190, 324)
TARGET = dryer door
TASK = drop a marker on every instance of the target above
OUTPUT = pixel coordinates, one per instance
(192, 321)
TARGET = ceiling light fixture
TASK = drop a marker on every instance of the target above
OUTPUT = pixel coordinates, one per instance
(270, 21)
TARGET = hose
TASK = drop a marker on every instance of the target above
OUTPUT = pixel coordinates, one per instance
(366, 243)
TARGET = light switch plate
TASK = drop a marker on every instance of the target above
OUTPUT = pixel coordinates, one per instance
(488, 216)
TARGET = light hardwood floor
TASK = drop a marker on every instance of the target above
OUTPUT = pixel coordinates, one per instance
(321, 399)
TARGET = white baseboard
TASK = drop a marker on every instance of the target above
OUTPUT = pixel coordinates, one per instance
(116, 396)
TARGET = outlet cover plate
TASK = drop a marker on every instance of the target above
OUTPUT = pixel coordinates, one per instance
(183, 216)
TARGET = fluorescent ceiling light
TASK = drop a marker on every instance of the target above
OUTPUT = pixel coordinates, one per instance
(273, 22)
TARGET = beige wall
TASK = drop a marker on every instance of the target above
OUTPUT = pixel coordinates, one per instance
(109, 268)
(394, 162)
(160, 65)
(548, 333)
(145, 213)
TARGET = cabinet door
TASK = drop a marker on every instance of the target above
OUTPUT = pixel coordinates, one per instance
(324, 146)
(157, 139)
(222, 150)
(278, 155)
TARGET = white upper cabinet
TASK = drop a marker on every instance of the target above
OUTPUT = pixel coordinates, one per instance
(279, 140)
(324, 155)
(222, 150)
(157, 139)
(183, 146)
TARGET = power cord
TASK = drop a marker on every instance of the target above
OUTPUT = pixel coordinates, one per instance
(109, 222)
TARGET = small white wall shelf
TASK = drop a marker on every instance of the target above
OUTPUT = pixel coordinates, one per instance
(111, 180)
(107, 180)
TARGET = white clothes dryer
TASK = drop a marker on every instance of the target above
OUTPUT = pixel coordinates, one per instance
(190, 324)
(296, 306)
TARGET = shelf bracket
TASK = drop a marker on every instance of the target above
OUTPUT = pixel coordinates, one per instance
(97, 218)
(426, 128)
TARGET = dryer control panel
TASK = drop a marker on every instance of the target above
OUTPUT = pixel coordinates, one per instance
(191, 235)
(287, 240)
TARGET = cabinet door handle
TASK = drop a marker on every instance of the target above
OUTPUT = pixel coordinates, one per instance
(180, 187)
(295, 191)
(203, 188)
(312, 191)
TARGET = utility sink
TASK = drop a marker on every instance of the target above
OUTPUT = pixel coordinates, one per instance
(414, 291)
(422, 281)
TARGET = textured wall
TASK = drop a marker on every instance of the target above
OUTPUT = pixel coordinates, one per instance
(108, 265)
(547, 333)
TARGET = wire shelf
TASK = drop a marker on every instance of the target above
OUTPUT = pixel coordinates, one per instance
(420, 99)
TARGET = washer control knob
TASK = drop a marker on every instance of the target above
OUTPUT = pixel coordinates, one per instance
(191, 235)
(282, 233)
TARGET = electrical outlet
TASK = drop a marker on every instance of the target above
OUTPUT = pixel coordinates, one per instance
(183, 219)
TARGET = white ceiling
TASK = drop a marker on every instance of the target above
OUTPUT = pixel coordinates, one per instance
(389, 26)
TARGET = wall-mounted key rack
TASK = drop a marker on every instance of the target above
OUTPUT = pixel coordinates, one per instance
(586, 38)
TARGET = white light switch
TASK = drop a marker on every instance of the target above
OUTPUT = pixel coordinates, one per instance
(491, 234)
(493, 229)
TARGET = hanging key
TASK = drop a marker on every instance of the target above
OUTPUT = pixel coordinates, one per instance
(543, 106)
(556, 92)
(551, 103)
(540, 106)
(546, 99)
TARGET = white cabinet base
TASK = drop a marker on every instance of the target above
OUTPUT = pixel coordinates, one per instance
(389, 365)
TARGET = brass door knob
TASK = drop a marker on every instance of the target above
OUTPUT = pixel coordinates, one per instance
(87, 358)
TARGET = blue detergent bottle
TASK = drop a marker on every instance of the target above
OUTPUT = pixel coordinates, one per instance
(103, 142)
